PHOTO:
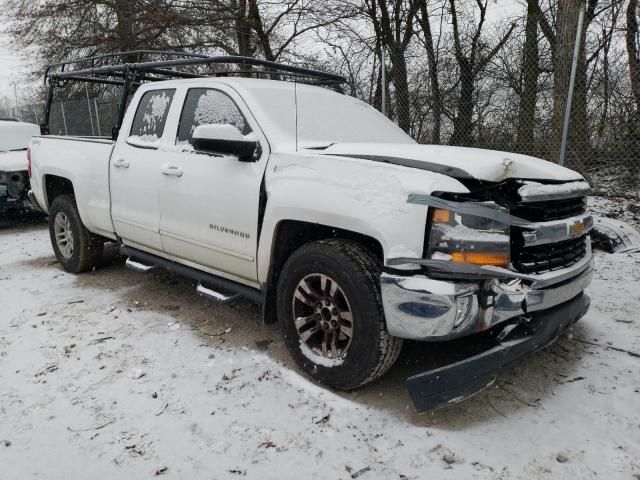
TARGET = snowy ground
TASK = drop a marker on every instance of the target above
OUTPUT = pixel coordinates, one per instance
(113, 374)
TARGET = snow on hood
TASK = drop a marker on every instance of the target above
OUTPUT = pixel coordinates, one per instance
(457, 162)
(16, 135)
(13, 161)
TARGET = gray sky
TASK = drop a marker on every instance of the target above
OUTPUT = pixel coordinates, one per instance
(11, 69)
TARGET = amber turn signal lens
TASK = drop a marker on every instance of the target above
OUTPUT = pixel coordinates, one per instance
(440, 215)
(481, 258)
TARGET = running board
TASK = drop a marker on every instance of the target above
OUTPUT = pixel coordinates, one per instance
(140, 267)
(215, 295)
(211, 286)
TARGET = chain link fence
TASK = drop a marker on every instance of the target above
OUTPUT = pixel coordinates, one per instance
(514, 102)
(81, 117)
(518, 102)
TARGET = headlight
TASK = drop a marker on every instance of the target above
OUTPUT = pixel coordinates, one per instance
(462, 237)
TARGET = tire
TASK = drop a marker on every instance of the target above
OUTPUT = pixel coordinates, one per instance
(66, 229)
(344, 362)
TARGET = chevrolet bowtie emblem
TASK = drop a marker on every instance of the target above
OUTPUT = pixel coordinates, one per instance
(577, 228)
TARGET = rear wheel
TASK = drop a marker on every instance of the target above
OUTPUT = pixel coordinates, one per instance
(74, 246)
(330, 312)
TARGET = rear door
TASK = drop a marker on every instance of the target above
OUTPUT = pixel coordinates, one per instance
(209, 203)
(135, 171)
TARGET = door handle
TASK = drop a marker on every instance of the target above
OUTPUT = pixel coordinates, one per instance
(172, 170)
(121, 163)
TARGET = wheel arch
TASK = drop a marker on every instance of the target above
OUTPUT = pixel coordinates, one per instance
(289, 235)
(54, 186)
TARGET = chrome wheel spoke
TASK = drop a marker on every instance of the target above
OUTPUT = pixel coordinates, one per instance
(307, 334)
(346, 331)
(63, 235)
(346, 316)
(334, 349)
(304, 321)
(305, 294)
(325, 344)
(328, 286)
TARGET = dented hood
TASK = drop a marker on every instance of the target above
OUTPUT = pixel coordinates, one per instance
(457, 162)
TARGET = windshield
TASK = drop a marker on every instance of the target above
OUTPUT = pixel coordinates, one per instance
(323, 116)
(326, 117)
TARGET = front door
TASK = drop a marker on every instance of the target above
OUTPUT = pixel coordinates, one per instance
(135, 168)
(209, 203)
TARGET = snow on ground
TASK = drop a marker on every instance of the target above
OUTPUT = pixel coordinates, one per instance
(113, 374)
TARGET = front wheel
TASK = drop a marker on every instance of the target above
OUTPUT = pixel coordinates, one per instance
(330, 312)
(74, 246)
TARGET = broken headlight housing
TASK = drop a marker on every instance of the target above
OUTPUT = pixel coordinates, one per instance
(466, 238)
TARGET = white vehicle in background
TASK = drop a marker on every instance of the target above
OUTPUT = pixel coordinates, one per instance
(349, 233)
(14, 177)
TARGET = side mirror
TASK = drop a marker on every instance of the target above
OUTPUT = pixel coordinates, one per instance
(225, 139)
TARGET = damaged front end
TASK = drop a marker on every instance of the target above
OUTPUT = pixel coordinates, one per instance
(505, 258)
(13, 192)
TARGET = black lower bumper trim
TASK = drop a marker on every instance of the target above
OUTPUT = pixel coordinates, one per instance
(460, 380)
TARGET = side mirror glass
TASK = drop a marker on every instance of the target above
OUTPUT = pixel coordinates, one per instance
(225, 139)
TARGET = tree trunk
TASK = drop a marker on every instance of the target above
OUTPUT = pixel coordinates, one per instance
(525, 142)
(565, 43)
(263, 37)
(436, 94)
(125, 28)
(243, 28)
(463, 123)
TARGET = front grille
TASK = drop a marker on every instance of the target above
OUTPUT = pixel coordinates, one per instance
(550, 210)
(545, 258)
(552, 256)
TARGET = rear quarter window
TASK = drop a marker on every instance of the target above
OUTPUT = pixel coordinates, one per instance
(148, 124)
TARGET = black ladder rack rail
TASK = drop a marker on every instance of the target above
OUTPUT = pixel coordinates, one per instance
(109, 69)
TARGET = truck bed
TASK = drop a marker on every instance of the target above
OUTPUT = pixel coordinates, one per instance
(84, 161)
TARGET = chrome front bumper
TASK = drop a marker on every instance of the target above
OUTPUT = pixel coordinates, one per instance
(422, 308)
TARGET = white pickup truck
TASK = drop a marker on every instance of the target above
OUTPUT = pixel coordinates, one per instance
(14, 178)
(349, 233)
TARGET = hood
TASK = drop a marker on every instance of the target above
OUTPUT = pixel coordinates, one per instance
(456, 162)
(16, 135)
(13, 161)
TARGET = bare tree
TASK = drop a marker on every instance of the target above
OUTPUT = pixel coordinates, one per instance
(65, 28)
(530, 73)
(432, 62)
(393, 25)
(472, 60)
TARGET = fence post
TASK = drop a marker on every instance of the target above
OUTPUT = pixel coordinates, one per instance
(64, 118)
(572, 82)
(86, 89)
(383, 66)
(35, 114)
(95, 107)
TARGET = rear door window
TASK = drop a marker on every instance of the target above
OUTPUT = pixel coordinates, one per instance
(151, 116)
(204, 106)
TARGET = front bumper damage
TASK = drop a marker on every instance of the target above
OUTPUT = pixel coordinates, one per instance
(13, 188)
(460, 380)
(427, 309)
(524, 318)
(441, 300)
